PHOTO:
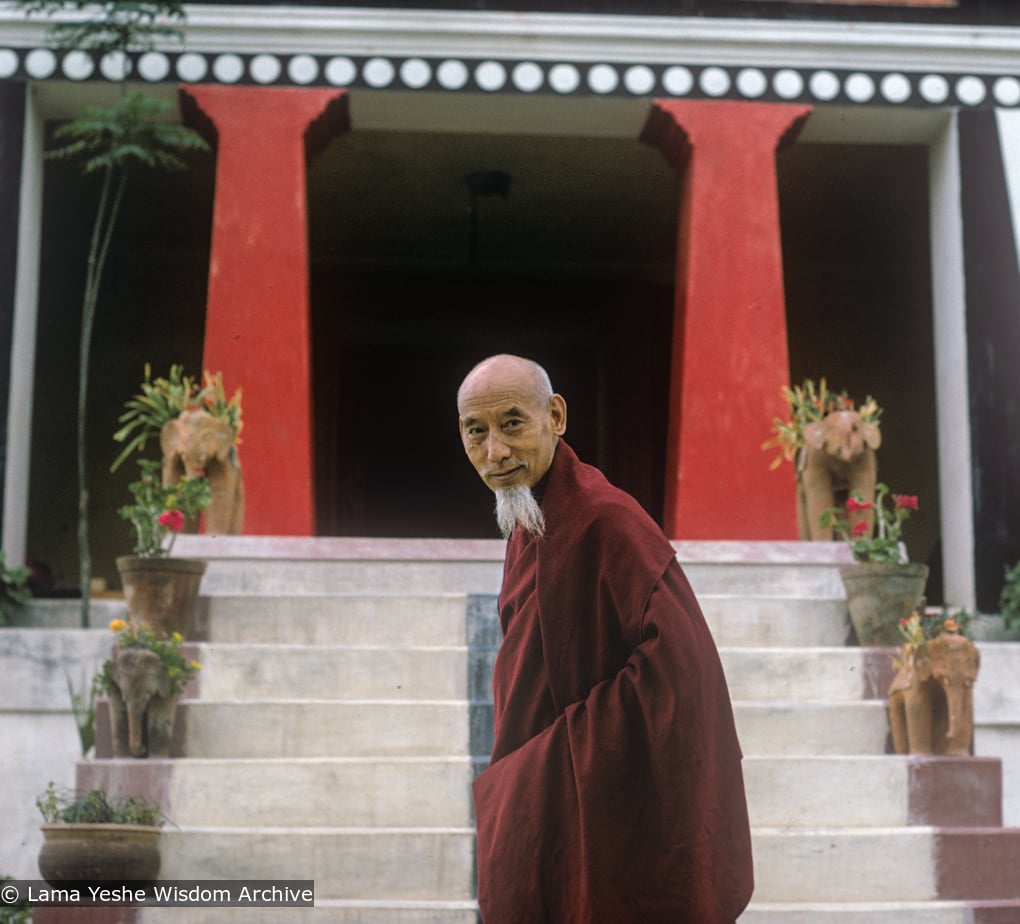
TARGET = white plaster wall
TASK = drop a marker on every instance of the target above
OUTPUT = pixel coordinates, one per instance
(997, 719)
(38, 734)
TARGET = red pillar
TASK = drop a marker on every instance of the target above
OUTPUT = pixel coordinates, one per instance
(729, 356)
(257, 330)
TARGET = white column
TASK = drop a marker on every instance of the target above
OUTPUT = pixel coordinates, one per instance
(26, 292)
(951, 380)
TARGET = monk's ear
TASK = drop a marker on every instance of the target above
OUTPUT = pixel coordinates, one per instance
(558, 414)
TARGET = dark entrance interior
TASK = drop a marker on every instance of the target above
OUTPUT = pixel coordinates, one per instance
(391, 462)
(413, 282)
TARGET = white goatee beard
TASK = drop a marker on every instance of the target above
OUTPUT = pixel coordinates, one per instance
(517, 507)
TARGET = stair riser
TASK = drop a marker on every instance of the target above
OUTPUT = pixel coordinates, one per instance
(251, 673)
(353, 619)
(860, 792)
(401, 865)
(829, 674)
(884, 865)
(781, 622)
(316, 729)
(837, 729)
(325, 914)
(323, 793)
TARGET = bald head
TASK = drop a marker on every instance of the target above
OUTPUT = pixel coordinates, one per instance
(510, 420)
(506, 368)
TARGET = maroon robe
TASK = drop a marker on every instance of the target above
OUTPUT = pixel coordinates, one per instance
(615, 793)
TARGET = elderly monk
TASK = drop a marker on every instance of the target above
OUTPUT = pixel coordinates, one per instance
(614, 793)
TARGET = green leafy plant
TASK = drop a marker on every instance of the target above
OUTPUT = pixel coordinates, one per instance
(96, 807)
(890, 510)
(166, 647)
(160, 512)
(14, 589)
(1009, 599)
(809, 403)
(111, 142)
(164, 399)
(924, 624)
(83, 708)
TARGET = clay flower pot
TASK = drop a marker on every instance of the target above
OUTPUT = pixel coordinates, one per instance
(879, 595)
(99, 852)
(161, 592)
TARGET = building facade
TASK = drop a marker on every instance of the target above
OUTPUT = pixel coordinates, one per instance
(678, 209)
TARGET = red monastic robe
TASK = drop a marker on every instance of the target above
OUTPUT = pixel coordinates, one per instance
(615, 793)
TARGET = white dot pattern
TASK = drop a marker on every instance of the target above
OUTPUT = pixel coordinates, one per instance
(599, 78)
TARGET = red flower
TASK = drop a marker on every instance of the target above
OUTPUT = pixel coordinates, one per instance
(860, 528)
(172, 520)
(856, 506)
(906, 500)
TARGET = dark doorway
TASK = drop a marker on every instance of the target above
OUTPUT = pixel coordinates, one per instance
(855, 223)
(390, 459)
(414, 280)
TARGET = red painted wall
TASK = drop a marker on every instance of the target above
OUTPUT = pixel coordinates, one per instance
(729, 339)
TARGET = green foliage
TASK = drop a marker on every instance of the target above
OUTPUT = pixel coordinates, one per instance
(166, 647)
(163, 399)
(95, 807)
(160, 511)
(18, 913)
(809, 403)
(98, 28)
(83, 708)
(884, 546)
(14, 589)
(133, 132)
(1009, 599)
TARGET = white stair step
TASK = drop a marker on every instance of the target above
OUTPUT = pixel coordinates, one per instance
(337, 619)
(252, 672)
(844, 865)
(798, 792)
(322, 792)
(830, 674)
(387, 864)
(328, 912)
(786, 728)
(325, 728)
(741, 620)
(858, 913)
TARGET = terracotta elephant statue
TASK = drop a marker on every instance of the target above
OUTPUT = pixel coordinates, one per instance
(931, 699)
(142, 703)
(838, 459)
(196, 441)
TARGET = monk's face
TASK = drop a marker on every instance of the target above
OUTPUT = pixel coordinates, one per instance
(509, 432)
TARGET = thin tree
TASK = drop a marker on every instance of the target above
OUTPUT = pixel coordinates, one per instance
(111, 142)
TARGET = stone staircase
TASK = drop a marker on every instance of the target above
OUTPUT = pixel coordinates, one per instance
(343, 708)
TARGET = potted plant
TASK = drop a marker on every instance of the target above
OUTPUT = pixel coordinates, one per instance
(198, 430)
(110, 142)
(161, 590)
(1009, 598)
(832, 442)
(14, 589)
(882, 585)
(931, 701)
(144, 677)
(93, 837)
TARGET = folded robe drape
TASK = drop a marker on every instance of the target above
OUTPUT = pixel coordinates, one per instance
(615, 792)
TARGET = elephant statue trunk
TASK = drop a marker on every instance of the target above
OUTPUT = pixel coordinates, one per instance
(142, 703)
(197, 442)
